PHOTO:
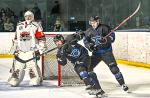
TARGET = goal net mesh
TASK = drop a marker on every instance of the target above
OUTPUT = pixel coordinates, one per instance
(65, 75)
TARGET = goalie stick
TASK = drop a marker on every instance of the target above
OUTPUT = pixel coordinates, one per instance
(25, 61)
(124, 21)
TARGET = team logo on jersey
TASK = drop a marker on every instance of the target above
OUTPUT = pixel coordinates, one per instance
(96, 40)
(25, 36)
(75, 53)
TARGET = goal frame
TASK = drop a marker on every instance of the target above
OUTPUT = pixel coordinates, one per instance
(59, 75)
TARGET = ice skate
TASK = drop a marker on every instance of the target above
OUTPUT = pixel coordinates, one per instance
(98, 92)
(88, 87)
(100, 95)
(125, 88)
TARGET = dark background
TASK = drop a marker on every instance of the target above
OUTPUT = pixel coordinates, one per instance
(74, 14)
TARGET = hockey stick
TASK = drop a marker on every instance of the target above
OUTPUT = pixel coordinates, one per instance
(124, 21)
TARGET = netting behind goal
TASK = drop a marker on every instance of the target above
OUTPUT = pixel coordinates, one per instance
(65, 75)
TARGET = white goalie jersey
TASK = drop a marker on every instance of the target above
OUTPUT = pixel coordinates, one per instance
(29, 37)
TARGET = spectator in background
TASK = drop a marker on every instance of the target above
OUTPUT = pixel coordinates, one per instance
(8, 20)
(56, 8)
(2, 11)
(55, 12)
(9, 12)
(37, 13)
(4, 17)
(58, 26)
(8, 25)
(1, 25)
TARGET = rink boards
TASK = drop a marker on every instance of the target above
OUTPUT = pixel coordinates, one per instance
(129, 46)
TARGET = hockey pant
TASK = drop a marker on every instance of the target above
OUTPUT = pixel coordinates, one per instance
(19, 72)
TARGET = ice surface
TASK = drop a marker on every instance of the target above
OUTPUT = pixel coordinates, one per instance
(138, 80)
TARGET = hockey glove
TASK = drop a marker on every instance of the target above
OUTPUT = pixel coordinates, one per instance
(92, 47)
(79, 35)
(16, 53)
(106, 40)
(103, 40)
(64, 47)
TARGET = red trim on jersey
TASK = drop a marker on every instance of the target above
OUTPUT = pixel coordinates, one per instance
(26, 24)
(38, 34)
(24, 33)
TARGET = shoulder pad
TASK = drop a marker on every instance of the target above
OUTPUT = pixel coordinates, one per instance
(104, 25)
(88, 31)
(35, 24)
(20, 23)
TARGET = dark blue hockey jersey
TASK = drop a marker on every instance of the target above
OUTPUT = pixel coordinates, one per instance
(76, 53)
(94, 36)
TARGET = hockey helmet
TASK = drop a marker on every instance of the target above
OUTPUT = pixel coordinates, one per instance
(29, 13)
(94, 18)
(58, 37)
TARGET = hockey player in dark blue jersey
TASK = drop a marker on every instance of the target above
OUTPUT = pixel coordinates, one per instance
(101, 48)
(78, 55)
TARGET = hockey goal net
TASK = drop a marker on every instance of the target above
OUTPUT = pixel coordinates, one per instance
(65, 75)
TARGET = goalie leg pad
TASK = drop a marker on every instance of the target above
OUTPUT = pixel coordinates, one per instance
(17, 74)
(16, 78)
(35, 76)
(36, 81)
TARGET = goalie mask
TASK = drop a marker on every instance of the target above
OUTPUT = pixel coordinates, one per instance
(59, 40)
(29, 16)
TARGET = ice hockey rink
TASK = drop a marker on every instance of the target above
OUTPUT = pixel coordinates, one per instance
(135, 77)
